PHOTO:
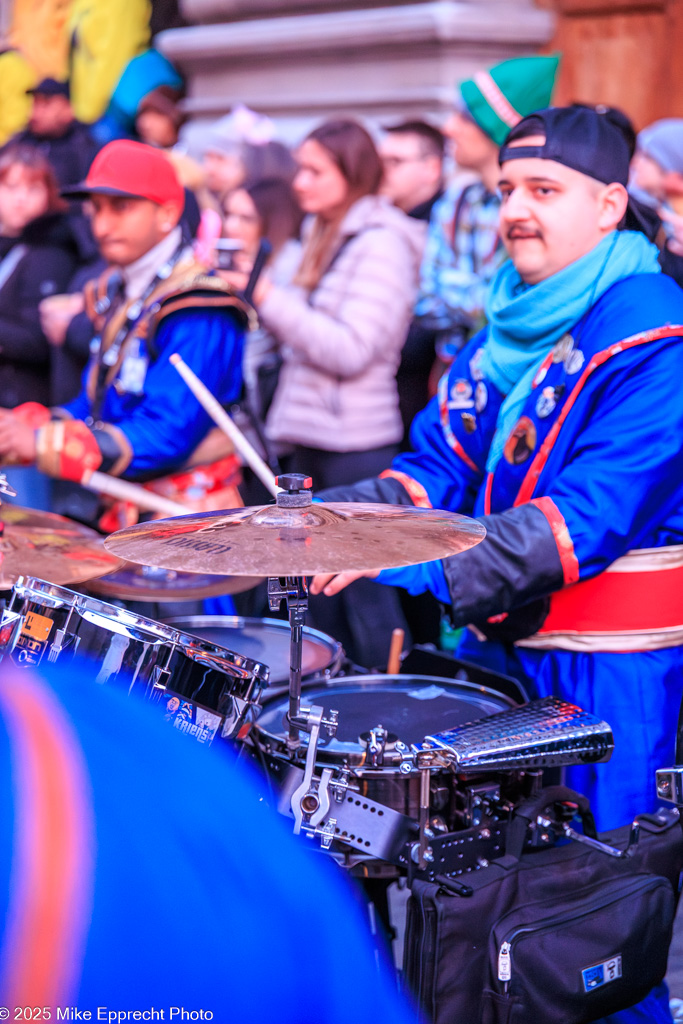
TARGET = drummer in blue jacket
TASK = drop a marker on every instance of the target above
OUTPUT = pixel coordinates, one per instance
(561, 425)
(135, 417)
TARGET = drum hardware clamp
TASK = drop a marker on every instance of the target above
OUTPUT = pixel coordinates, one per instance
(670, 784)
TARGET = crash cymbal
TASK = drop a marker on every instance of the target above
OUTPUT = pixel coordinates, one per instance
(49, 547)
(273, 540)
(135, 582)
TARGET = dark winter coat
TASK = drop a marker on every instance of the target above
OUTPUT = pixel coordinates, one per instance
(45, 269)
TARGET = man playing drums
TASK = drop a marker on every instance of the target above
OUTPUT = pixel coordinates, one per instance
(561, 425)
(134, 417)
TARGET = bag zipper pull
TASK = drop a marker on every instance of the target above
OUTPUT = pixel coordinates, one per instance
(505, 963)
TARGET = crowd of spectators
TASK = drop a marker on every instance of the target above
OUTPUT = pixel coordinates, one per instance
(381, 249)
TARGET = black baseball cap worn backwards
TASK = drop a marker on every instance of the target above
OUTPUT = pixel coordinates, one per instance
(590, 140)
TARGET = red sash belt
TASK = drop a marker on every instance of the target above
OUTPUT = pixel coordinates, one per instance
(635, 604)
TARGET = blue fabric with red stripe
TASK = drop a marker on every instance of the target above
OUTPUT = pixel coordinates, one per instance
(203, 899)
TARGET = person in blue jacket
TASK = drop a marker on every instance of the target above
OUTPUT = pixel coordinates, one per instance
(135, 416)
(561, 425)
(140, 872)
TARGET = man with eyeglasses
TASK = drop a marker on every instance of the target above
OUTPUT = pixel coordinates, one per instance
(463, 250)
(412, 154)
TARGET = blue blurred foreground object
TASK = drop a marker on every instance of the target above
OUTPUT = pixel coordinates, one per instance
(140, 871)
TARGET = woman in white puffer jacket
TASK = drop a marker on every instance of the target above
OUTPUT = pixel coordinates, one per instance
(342, 323)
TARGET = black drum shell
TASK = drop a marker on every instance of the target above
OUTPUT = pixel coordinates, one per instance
(267, 641)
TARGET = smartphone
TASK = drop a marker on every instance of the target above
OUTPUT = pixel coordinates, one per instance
(226, 248)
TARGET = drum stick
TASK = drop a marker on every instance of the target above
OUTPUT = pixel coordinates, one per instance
(222, 420)
(122, 490)
(394, 662)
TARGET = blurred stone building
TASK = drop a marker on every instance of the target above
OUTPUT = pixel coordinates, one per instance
(302, 60)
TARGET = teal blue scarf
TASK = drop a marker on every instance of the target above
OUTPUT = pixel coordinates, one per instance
(525, 321)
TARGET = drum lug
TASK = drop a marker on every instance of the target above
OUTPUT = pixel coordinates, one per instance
(61, 641)
(160, 678)
(376, 743)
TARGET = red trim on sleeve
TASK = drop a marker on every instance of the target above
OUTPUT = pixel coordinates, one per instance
(565, 545)
(444, 417)
(487, 494)
(538, 463)
(416, 491)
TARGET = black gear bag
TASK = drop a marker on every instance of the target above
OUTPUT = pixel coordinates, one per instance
(563, 935)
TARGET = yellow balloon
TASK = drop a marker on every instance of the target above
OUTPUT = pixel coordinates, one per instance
(107, 34)
(16, 75)
(39, 30)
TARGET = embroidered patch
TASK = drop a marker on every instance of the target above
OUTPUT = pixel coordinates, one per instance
(546, 402)
(461, 395)
(481, 396)
(574, 361)
(562, 349)
(521, 442)
(475, 365)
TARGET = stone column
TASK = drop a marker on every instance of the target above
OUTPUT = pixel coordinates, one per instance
(379, 63)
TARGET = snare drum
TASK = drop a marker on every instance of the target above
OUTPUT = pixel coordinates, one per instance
(408, 707)
(203, 688)
(267, 641)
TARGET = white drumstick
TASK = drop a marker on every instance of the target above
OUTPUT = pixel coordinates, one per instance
(222, 420)
(122, 490)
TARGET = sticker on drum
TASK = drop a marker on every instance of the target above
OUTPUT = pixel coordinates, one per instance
(189, 719)
(267, 641)
(32, 640)
(213, 685)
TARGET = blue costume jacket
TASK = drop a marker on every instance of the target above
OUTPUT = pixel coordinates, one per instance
(135, 416)
(164, 423)
(593, 469)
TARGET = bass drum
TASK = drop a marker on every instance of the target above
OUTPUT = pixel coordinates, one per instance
(204, 689)
(267, 641)
(408, 707)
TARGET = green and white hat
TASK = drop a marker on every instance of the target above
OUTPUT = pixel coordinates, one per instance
(498, 99)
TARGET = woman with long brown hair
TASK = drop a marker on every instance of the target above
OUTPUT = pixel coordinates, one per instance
(343, 321)
(341, 326)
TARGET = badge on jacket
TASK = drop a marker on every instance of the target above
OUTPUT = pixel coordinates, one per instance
(461, 395)
(521, 442)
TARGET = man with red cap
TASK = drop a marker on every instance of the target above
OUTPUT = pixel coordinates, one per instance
(134, 416)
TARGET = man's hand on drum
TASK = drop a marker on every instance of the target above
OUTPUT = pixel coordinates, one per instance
(331, 583)
(17, 440)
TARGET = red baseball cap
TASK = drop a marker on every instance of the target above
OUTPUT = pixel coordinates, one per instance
(127, 168)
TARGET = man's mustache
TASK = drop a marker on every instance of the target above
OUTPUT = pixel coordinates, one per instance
(519, 232)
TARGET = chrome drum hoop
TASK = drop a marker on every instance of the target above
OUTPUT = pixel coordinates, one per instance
(144, 656)
(267, 641)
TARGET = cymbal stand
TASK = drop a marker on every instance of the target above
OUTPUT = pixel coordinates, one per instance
(309, 802)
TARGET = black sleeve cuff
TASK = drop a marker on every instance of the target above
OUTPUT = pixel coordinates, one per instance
(516, 564)
(380, 490)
